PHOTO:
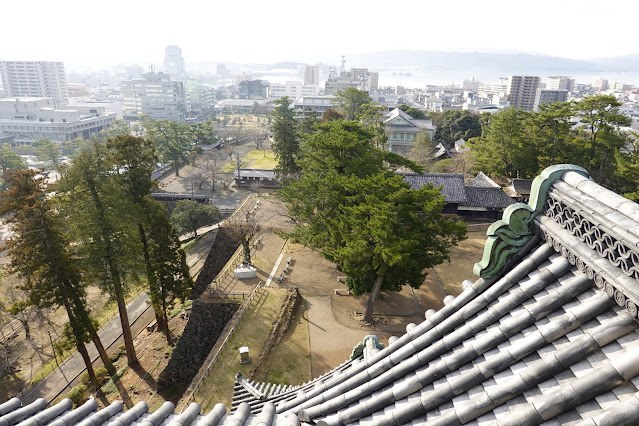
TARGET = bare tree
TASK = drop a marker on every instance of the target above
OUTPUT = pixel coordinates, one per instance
(243, 226)
(20, 309)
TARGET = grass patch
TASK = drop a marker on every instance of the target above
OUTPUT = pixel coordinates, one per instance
(110, 387)
(462, 259)
(290, 362)
(256, 159)
(252, 331)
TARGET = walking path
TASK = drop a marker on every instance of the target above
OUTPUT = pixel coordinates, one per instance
(72, 367)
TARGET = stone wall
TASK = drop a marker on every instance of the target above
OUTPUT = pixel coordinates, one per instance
(221, 251)
(206, 323)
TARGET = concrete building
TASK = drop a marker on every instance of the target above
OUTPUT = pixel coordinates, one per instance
(522, 90)
(293, 89)
(311, 74)
(35, 79)
(30, 119)
(318, 103)
(546, 96)
(174, 63)
(600, 84)
(560, 82)
(253, 89)
(471, 85)
(155, 95)
(334, 84)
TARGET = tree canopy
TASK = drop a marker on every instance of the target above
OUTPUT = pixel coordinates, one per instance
(587, 133)
(453, 125)
(351, 205)
(349, 102)
(188, 216)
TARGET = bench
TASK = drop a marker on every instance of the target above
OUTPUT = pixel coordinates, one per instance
(343, 291)
(286, 268)
(281, 278)
(341, 279)
(256, 243)
(289, 259)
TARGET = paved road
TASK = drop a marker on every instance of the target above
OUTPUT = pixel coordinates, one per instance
(57, 381)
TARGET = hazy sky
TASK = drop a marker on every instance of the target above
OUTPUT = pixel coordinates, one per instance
(105, 33)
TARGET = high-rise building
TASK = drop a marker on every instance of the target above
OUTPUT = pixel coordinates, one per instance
(373, 81)
(37, 79)
(311, 74)
(600, 84)
(522, 90)
(560, 82)
(155, 95)
(174, 63)
(546, 96)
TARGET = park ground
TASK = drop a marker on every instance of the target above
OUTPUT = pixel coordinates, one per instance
(325, 328)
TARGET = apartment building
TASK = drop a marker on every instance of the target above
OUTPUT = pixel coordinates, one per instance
(521, 91)
(560, 82)
(35, 79)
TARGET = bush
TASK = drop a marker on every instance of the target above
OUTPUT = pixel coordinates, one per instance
(117, 354)
(101, 374)
(78, 394)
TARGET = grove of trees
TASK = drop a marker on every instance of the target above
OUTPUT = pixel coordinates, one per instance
(100, 220)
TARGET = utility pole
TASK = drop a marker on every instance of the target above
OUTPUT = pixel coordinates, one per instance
(53, 349)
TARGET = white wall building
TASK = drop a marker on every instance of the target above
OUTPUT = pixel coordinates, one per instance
(293, 89)
(560, 82)
(35, 79)
(311, 74)
(30, 119)
(154, 95)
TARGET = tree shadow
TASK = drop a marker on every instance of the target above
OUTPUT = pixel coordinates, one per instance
(145, 376)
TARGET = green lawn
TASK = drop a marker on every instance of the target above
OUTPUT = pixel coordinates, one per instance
(252, 331)
(256, 159)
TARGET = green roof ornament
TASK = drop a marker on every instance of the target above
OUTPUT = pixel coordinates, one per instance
(509, 234)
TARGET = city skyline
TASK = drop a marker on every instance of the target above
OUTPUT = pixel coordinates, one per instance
(137, 32)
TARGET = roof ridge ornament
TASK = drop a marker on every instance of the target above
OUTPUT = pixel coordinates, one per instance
(509, 234)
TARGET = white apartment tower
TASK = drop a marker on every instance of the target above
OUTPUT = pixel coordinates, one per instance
(560, 82)
(600, 84)
(521, 91)
(311, 74)
(174, 63)
(35, 79)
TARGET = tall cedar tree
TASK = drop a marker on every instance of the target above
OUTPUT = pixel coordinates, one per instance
(168, 276)
(362, 216)
(286, 145)
(39, 254)
(98, 210)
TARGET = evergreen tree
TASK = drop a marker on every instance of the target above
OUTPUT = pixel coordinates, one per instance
(350, 102)
(39, 254)
(98, 210)
(285, 145)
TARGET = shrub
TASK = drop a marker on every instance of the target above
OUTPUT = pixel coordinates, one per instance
(78, 394)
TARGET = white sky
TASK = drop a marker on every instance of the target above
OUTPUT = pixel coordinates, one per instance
(102, 34)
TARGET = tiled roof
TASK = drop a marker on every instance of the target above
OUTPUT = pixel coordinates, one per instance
(482, 181)
(549, 335)
(487, 197)
(522, 186)
(452, 183)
